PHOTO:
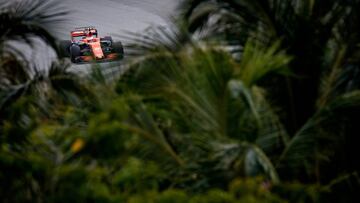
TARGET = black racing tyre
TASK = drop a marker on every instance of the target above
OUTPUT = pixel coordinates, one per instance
(74, 52)
(64, 48)
(119, 49)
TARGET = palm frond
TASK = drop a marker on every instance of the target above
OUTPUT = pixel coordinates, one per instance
(155, 39)
(257, 62)
(248, 160)
(21, 20)
(54, 86)
(325, 141)
(12, 70)
(198, 90)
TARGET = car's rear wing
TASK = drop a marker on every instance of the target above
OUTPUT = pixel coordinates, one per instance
(83, 31)
(86, 27)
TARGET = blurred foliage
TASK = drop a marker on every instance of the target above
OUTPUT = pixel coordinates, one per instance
(186, 120)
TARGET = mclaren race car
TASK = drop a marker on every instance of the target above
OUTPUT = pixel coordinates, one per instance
(86, 46)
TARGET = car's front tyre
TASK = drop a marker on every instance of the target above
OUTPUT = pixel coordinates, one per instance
(75, 52)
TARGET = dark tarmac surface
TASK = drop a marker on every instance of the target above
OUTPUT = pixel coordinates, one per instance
(116, 16)
(111, 17)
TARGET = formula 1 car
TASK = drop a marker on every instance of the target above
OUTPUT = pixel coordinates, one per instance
(86, 46)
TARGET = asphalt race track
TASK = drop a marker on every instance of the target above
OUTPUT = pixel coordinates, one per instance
(113, 17)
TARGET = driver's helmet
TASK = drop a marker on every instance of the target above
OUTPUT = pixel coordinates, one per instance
(88, 33)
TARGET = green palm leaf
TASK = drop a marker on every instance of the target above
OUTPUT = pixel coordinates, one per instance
(21, 20)
(326, 141)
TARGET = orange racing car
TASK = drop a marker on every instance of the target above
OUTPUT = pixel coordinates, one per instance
(86, 46)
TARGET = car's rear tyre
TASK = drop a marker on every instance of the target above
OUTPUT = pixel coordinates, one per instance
(119, 49)
(74, 52)
(64, 48)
